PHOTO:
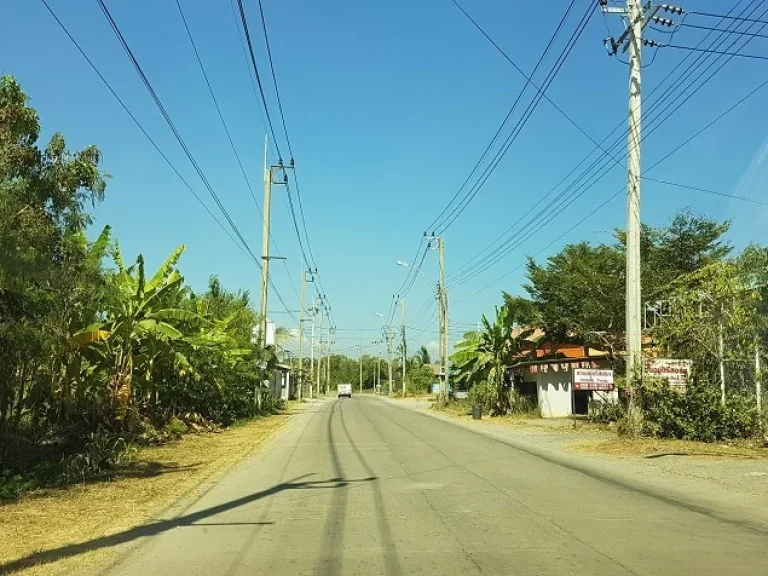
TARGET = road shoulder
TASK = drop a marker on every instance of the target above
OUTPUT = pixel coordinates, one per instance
(51, 532)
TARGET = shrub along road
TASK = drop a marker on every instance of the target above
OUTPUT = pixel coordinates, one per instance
(364, 486)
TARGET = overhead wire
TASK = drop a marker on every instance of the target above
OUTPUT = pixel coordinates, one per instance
(227, 131)
(143, 130)
(469, 269)
(621, 190)
(512, 109)
(147, 84)
(598, 147)
(309, 261)
(726, 17)
(713, 29)
(723, 53)
(512, 137)
(244, 22)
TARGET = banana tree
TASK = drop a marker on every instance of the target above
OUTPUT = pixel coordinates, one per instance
(482, 359)
(140, 317)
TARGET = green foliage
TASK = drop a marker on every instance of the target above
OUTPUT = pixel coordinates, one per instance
(601, 412)
(482, 358)
(422, 357)
(580, 290)
(109, 354)
(14, 485)
(697, 413)
(418, 379)
(102, 453)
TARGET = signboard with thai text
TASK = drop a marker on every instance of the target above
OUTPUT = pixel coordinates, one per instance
(676, 372)
(590, 379)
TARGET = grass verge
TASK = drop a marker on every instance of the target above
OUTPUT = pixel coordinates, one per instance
(657, 448)
(53, 518)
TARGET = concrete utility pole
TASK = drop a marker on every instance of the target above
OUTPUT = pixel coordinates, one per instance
(443, 306)
(320, 353)
(303, 310)
(312, 351)
(360, 360)
(388, 336)
(265, 238)
(265, 247)
(405, 350)
(637, 16)
(331, 331)
(758, 380)
(633, 281)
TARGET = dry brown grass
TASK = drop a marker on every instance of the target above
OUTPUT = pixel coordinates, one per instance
(50, 519)
(650, 447)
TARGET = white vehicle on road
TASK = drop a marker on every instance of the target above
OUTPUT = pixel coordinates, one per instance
(344, 390)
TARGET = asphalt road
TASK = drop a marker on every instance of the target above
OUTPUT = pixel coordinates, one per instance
(362, 486)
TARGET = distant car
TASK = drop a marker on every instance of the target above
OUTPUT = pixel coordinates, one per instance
(344, 390)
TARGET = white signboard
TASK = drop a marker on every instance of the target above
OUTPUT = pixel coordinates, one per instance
(591, 379)
(676, 372)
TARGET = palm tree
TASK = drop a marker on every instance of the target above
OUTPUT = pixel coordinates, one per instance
(422, 356)
(482, 358)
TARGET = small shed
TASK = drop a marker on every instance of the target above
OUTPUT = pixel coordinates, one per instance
(550, 378)
(281, 383)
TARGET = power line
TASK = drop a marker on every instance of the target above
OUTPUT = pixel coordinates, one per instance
(142, 129)
(618, 192)
(727, 17)
(216, 104)
(723, 53)
(226, 129)
(243, 248)
(244, 21)
(467, 269)
(311, 260)
(524, 119)
(697, 27)
(170, 123)
(598, 146)
(512, 109)
(274, 78)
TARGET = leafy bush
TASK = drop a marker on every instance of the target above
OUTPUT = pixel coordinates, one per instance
(12, 485)
(101, 454)
(697, 413)
(484, 394)
(605, 412)
(175, 428)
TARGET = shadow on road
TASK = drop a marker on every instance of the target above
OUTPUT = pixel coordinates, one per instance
(155, 528)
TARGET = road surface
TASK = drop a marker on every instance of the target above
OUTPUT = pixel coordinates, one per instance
(363, 486)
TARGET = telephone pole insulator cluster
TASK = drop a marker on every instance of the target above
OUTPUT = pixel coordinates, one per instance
(662, 21)
(673, 9)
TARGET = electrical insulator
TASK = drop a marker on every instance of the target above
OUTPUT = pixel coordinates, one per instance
(663, 21)
(673, 9)
(650, 43)
(292, 163)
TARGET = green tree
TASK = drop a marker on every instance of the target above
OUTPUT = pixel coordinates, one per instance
(482, 358)
(45, 268)
(422, 356)
(139, 318)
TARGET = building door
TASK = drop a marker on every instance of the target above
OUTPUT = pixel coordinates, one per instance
(581, 402)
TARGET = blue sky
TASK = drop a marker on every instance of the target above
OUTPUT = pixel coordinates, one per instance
(388, 106)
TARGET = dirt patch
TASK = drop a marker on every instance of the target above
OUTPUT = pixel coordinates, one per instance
(51, 519)
(652, 448)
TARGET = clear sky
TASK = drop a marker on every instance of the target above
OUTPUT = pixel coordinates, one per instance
(388, 106)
